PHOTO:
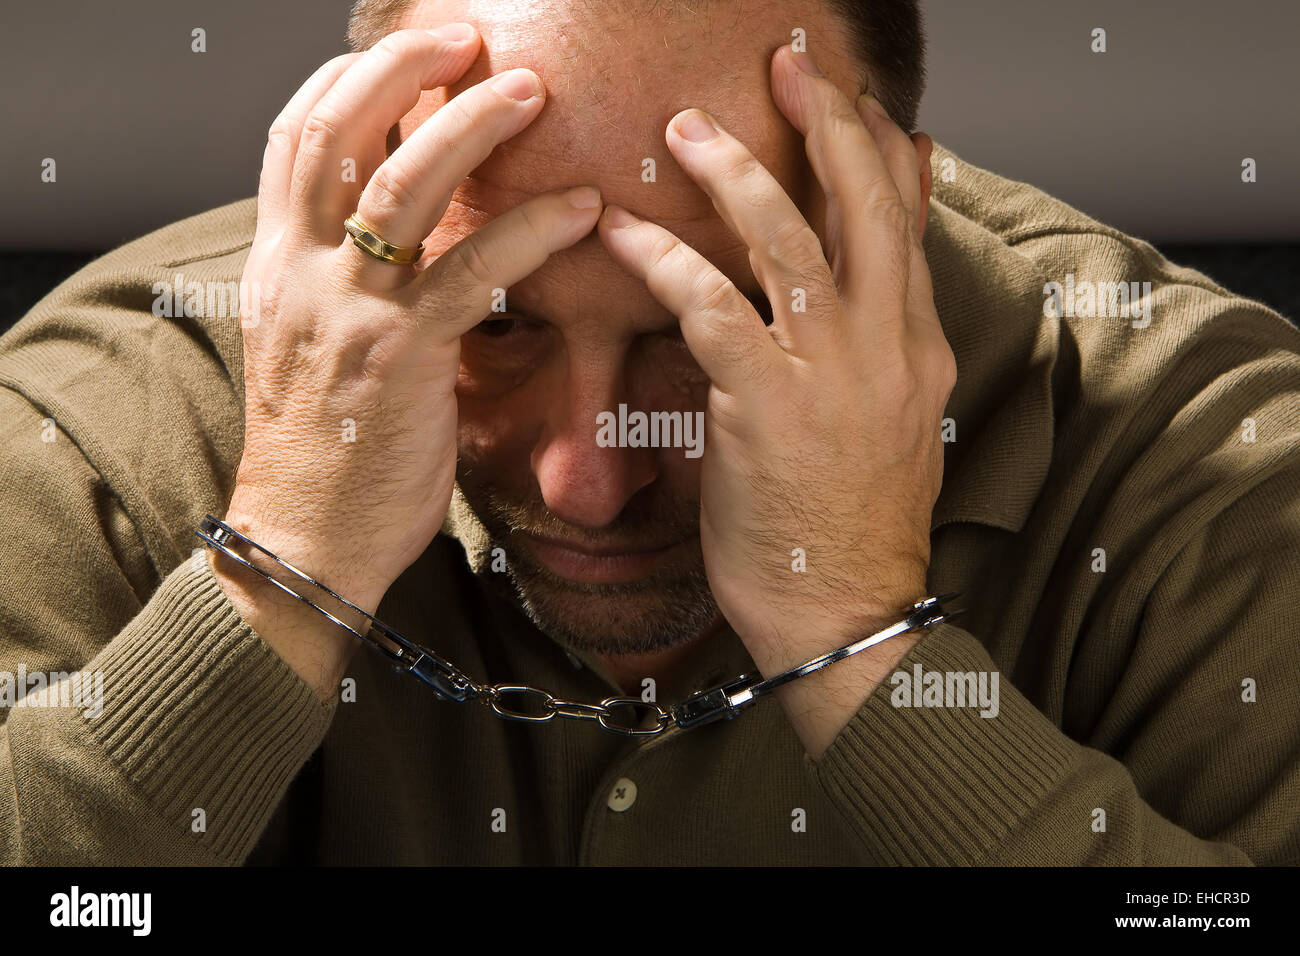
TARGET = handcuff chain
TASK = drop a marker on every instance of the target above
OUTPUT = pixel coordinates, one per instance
(722, 702)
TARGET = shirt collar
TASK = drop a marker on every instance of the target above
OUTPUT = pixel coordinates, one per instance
(990, 303)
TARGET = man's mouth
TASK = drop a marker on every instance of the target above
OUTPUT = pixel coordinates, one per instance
(585, 563)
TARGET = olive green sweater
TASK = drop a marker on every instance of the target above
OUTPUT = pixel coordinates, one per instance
(1120, 509)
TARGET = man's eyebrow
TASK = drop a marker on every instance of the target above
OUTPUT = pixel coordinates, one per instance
(751, 291)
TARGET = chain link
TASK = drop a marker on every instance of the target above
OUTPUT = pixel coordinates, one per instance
(552, 706)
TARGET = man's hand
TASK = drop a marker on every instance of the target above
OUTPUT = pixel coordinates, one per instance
(822, 435)
(350, 366)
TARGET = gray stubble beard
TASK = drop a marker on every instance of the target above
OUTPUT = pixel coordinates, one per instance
(666, 610)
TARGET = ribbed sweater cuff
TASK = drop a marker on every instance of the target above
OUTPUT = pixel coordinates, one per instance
(941, 785)
(202, 713)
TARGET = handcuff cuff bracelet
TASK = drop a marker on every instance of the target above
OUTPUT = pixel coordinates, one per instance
(722, 702)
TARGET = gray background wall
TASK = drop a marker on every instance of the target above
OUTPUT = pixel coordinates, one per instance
(1148, 136)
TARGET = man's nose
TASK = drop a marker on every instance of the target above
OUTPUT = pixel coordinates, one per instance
(581, 482)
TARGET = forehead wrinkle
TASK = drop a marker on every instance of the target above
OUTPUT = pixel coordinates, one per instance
(570, 277)
(706, 233)
(490, 199)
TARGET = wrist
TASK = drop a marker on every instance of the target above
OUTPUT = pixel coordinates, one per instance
(783, 643)
(312, 552)
(820, 704)
(312, 645)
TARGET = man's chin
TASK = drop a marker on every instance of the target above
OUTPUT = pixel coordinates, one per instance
(639, 588)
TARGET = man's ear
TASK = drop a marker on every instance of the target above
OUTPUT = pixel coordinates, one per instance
(924, 147)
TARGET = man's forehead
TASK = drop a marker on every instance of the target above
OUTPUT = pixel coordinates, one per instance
(614, 79)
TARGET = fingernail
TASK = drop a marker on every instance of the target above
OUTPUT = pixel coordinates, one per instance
(619, 218)
(803, 59)
(517, 84)
(453, 31)
(696, 127)
(584, 197)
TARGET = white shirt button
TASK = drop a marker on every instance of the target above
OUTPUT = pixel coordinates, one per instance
(623, 795)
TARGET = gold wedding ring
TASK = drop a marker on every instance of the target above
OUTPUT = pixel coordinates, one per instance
(371, 242)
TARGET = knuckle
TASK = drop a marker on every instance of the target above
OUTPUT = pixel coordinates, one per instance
(924, 372)
(453, 127)
(390, 189)
(888, 210)
(795, 243)
(733, 347)
(534, 220)
(733, 351)
(797, 249)
(322, 127)
(662, 249)
(280, 136)
(740, 171)
(452, 148)
(755, 371)
(841, 117)
(714, 292)
(475, 262)
(945, 368)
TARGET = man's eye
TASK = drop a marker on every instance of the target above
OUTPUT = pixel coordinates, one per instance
(499, 328)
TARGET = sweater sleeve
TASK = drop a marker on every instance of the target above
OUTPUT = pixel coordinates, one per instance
(177, 729)
(1202, 735)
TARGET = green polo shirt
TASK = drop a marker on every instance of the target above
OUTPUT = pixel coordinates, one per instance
(1120, 510)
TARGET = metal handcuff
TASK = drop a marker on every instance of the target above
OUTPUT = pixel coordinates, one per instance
(723, 702)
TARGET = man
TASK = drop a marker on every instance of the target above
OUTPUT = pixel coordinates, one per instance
(667, 210)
